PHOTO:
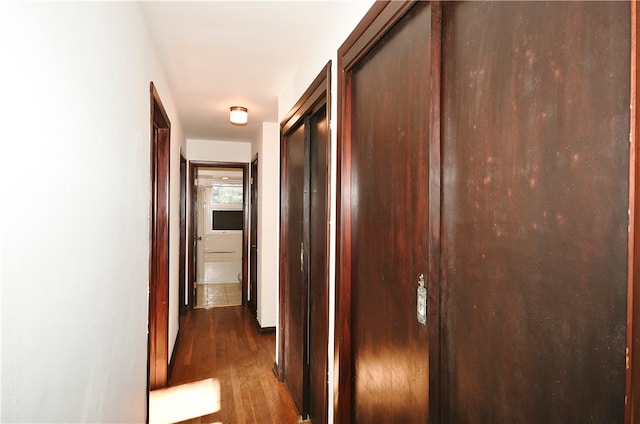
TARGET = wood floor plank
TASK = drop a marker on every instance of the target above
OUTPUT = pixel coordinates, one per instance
(222, 343)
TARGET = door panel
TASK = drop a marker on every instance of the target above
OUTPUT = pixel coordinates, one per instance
(318, 265)
(389, 203)
(534, 217)
(295, 284)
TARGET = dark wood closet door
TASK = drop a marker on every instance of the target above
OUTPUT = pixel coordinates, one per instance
(534, 217)
(387, 152)
(295, 282)
(318, 265)
(305, 208)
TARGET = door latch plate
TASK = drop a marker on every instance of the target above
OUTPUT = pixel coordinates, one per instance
(421, 307)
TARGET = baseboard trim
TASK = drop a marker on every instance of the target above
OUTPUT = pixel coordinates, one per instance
(264, 330)
(172, 361)
(277, 372)
(267, 330)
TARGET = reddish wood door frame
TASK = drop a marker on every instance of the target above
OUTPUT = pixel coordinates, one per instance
(191, 256)
(253, 240)
(195, 165)
(158, 337)
(632, 392)
(182, 280)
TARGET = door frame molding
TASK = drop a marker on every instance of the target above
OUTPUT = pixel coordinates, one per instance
(191, 235)
(253, 230)
(632, 389)
(194, 165)
(160, 158)
(380, 19)
(182, 279)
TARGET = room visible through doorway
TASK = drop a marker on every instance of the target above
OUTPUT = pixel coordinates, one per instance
(220, 233)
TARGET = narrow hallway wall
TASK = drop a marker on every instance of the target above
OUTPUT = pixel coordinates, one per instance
(75, 190)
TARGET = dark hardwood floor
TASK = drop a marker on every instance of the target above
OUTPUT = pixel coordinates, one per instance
(222, 343)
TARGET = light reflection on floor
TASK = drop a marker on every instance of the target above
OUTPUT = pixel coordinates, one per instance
(183, 402)
(218, 294)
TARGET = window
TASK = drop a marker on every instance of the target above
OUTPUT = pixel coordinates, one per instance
(226, 194)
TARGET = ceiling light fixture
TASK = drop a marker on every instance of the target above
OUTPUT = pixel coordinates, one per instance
(238, 115)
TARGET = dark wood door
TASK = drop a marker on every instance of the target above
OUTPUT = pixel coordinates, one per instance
(534, 216)
(293, 265)
(385, 223)
(253, 241)
(318, 264)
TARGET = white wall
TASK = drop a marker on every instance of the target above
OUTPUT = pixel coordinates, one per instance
(218, 151)
(268, 151)
(75, 190)
(337, 29)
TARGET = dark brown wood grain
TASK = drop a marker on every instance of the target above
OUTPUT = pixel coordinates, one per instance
(293, 270)
(435, 170)
(158, 355)
(305, 208)
(193, 218)
(632, 414)
(383, 352)
(319, 160)
(534, 217)
(182, 261)
(222, 343)
(253, 241)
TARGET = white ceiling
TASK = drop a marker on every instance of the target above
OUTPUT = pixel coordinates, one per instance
(219, 54)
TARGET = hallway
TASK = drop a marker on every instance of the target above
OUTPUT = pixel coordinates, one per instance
(222, 343)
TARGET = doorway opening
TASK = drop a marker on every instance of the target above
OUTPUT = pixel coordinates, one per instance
(219, 251)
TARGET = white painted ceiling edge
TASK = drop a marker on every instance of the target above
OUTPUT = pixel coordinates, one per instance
(219, 54)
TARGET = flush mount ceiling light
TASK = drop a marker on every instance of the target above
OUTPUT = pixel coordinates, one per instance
(238, 115)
